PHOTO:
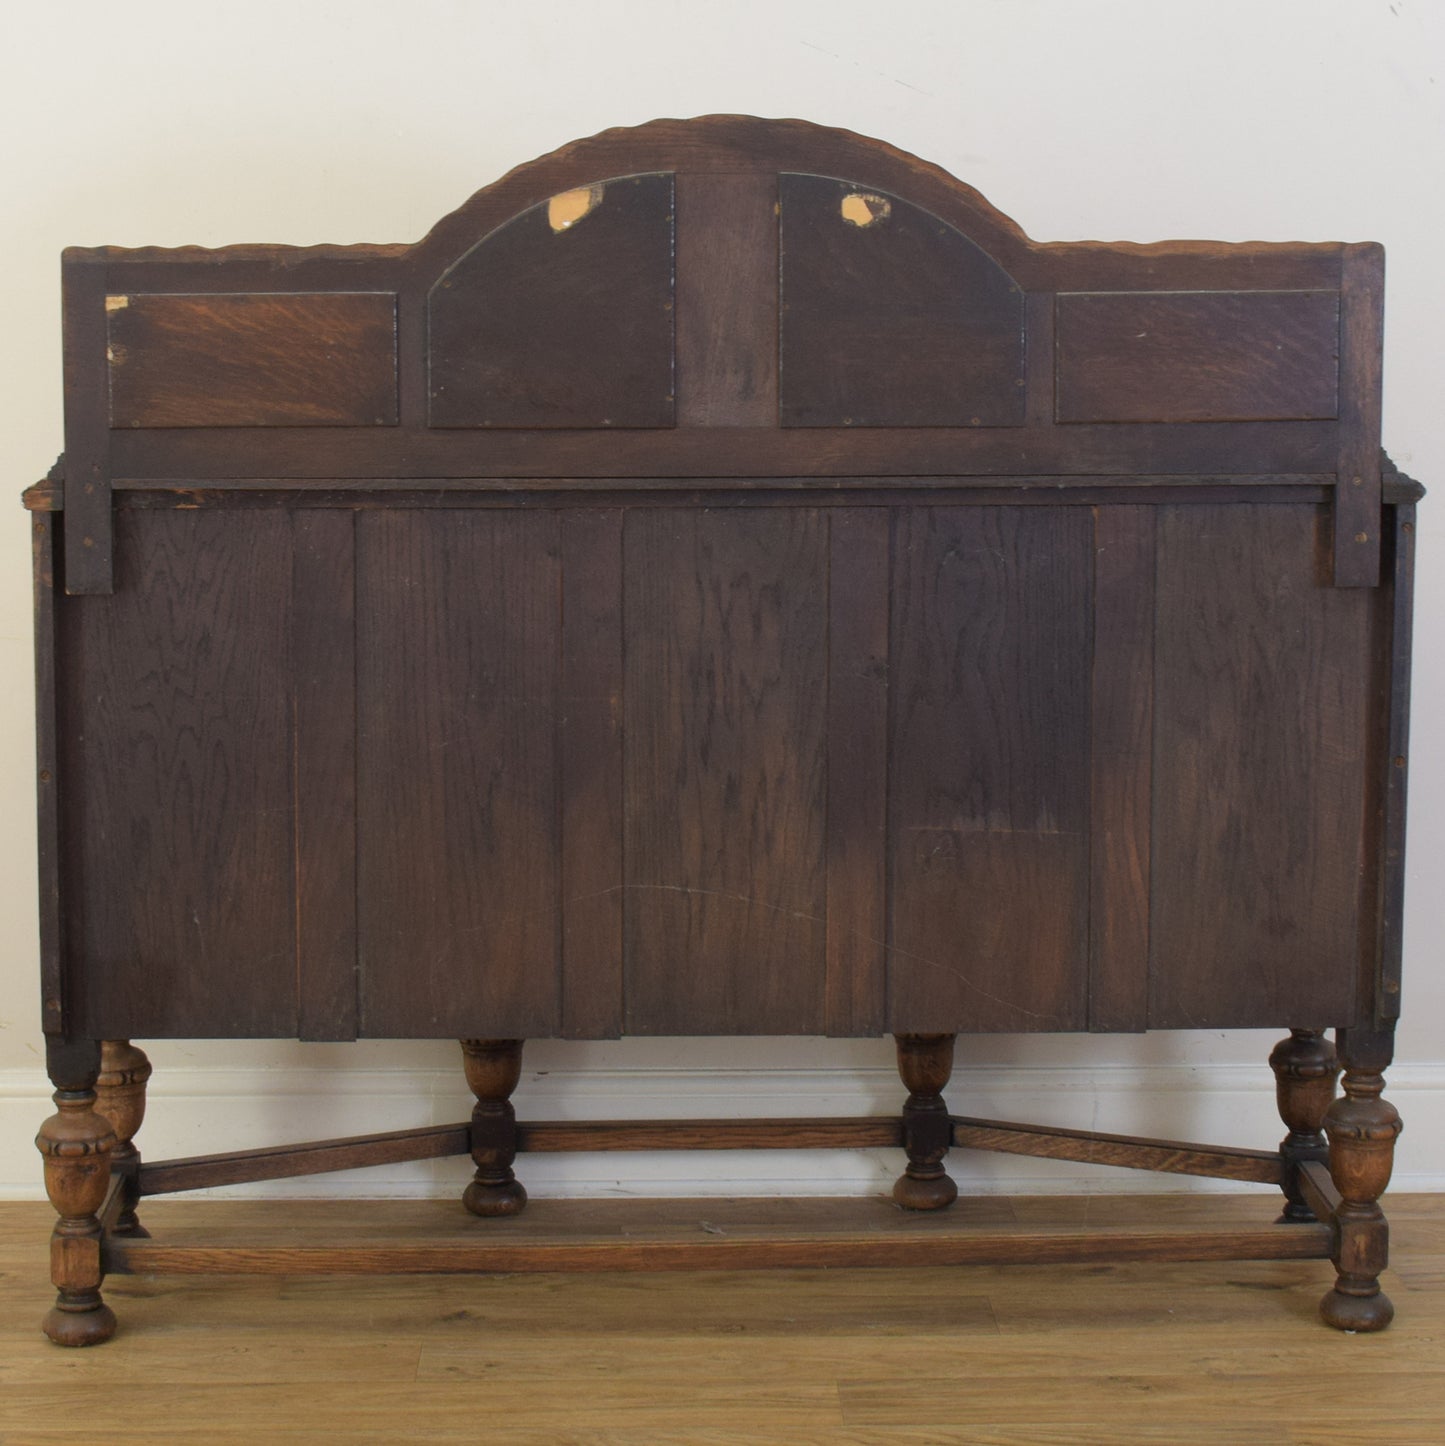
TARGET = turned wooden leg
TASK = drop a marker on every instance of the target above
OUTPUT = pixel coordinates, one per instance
(76, 1144)
(1305, 1071)
(493, 1068)
(1362, 1127)
(925, 1062)
(120, 1095)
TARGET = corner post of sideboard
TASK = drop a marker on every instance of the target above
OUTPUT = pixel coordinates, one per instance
(76, 1144)
(121, 1098)
(1362, 1127)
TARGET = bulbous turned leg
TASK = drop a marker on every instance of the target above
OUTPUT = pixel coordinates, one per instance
(1362, 1127)
(120, 1095)
(1305, 1071)
(925, 1062)
(493, 1068)
(76, 1144)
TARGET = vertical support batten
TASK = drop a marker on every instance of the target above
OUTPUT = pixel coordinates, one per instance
(89, 533)
(1392, 881)
(1358, 516)
(590, 748)
(45, 541)
(324, 667)
(1121, 767)
(857, 769)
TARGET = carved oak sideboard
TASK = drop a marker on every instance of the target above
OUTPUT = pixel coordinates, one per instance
(725, 579)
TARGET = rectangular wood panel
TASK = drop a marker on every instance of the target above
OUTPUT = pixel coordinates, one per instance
(324, 673)
(726, 709)
(727, 300)
(591, 776)
(989, 768)
(253, 359)
(1197, 356)
(1262, 681)
(1121, 752)
(857, 768)
(1357, 490)
(458, 641)
(178, 811)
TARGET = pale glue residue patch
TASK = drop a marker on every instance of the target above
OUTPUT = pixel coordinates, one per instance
(860, 208)
(116, 303)
(567, 208)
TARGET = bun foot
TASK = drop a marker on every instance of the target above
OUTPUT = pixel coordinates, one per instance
(1357, 1312)
(84, 1321)
(932, 1193)
(491, 1200)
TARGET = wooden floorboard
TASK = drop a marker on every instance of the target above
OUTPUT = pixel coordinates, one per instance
(989, 1355)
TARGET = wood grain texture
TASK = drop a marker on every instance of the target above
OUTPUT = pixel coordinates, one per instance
(988, 769)
(45, 544)
(324, 711)
(1197, 357)
(1259, 750)
(857, 749)
(1121, 735)
(726, 705)
(902, 321)
(90, 538)
(1357, 490)
(178, 818)
(591, 794)
(252, 359)
(1190, 449)
(727, 300)
(572, 327)
(458, 638)
(1400, 520)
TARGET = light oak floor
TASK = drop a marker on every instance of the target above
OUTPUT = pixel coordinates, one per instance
(1009, 1356)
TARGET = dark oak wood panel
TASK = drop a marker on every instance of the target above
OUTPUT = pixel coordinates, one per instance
(1198, 357)
(178, 807)
(726, 693)
(561, 319)
(457, 806)
(857, 807)
(1260, 742)
(591, 784)
(252, 359)
(1357, 504)
(890, 316)
(727, 300)
(988, 769)
(1122, 729)
(90, 538)
(324, 672)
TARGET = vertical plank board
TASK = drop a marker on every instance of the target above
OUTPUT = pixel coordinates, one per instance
(727, 300)
(45, 544)
(857, 769)
(1261, 682)
(177, 754)
(1401, 603)
(1123, 715)
(458, 632)
(324, 677)
(1039, 311)
(89, 534)
(591, 763)
(726, 689)
(988, 768)
(1357, 480)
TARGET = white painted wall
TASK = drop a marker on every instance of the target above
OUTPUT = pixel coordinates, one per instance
(166, 122)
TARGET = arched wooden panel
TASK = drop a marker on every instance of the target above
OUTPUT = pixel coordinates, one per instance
(562, 316)
(891, 317)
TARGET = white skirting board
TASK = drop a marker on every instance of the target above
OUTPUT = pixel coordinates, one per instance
(200, 1108)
